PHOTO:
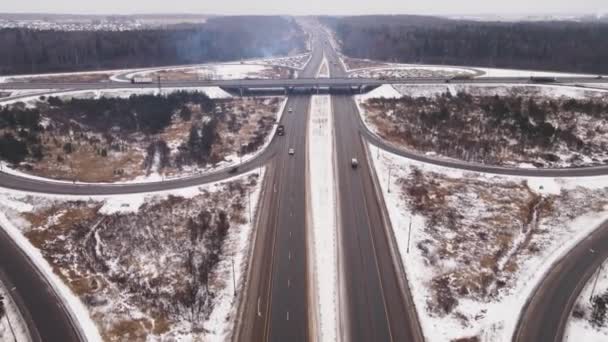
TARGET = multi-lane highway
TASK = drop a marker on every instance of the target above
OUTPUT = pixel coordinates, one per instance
(275, 305)
(379, 304)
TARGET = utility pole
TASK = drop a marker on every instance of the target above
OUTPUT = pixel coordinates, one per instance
(409, 235)
(233, 277)
(249, 200)
(595, 283)
(159, 86)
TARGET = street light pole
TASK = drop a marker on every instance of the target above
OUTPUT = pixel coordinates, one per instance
(595, 283)
(249, 200)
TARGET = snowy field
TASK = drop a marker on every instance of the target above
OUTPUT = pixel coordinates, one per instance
(249, 112)
(479, 243)
(12, 325)
(133, 288)
(580, 326)
(323, 208)
(296, 62)
(571, 113)
(372, 68)
(409, 71)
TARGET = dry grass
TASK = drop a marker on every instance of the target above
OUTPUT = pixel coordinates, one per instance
(97, 77)
(354, 63)
(475, 216)
(145, 291)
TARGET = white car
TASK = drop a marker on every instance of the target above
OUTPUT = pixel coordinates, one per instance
(290, 110)
(291, 151)
(354, 163)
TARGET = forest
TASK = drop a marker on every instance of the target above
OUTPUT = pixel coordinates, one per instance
(148, 114)
(28, 51)
(556, 45)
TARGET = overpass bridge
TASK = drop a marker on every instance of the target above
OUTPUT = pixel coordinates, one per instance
(311, 85)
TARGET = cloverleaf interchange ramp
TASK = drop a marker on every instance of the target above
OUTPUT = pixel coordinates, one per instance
(276, 305)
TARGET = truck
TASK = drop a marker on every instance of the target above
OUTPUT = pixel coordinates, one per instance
(542, 79)
(281, 130)
(460, 77)
(141, 80)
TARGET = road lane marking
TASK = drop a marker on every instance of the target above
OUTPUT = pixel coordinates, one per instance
(288, 283)
(289, 255)
(288, 315)
(259, 311)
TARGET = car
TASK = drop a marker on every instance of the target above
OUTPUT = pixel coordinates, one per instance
(290, 110)
(233, 170)
(291, 151)
(354, 163)
(599, 77)
(281, 130)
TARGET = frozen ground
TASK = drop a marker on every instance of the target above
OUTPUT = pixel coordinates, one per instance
(581, 325)
(252, 117)
(483, 123)
(480, 243)
(226, 71)
(296, 62)
(126, 265)
(323, 208)
(409, 71)
(12, 326)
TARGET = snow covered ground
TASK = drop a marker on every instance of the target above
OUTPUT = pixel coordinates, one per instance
(403, 125)
(580, 326)
(12, 326)
(479, 243)
(413, 70)
(297, 61)
(97, 296)
(323, 209)
(230, 159)
(496, 72)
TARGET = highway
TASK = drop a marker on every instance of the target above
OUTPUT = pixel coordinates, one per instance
(380, 307)
(275, 307)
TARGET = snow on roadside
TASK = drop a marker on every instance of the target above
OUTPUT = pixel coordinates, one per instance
(323, 208)
(75, 307)
(497, 72)
(552, 91)
(491, 319)
(12, 326)
(219, 325)
(385, 91)
(579, 326)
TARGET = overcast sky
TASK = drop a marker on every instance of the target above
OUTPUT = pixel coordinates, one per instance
(307, 6)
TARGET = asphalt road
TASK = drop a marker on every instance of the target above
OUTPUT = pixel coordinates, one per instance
(276, 302)
(545, 315)
(380, 307)
(276, 305)
(45, 315)
(304, 82)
